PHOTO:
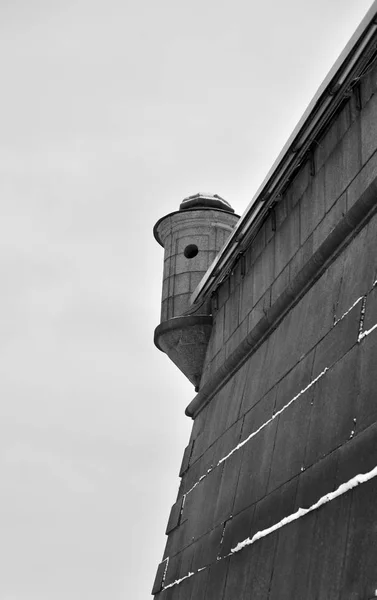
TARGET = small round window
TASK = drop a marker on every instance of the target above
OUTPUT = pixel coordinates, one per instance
(190, 251)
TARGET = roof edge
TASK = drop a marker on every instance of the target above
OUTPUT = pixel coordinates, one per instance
(324, 104)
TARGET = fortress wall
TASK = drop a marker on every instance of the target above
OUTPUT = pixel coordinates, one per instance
(298, 418)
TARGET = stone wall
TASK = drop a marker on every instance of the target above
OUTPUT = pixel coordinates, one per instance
(286, 417)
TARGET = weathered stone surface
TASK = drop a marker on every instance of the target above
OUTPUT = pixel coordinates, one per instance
(275, 506)
(313, 259)
(358, 455)
(334, 408)
(293, 557)
(290, 442)
(216, 580)
(186, 458)
(207, 549)
(359, 578)
(317, 481)
(366, 410)
(237, 529)
(157, 586)
(328, 548)
(228, 486)
(175, 516)
(255, 469)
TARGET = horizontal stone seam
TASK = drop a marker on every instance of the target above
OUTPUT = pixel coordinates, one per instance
(341, 236)
(361, 335)
(352, 436)
(343, 488)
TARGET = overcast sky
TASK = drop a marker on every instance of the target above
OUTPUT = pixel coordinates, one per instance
(111, 112)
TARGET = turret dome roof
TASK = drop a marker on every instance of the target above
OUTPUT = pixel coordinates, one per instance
(205, 201)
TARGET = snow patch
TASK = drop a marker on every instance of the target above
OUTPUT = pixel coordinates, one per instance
(274, 416)
(178, 581)
(342, 489)
(336, 321)
(301, 512)
(367, 332)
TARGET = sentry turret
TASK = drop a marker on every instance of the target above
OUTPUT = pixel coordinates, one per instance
(191, 238)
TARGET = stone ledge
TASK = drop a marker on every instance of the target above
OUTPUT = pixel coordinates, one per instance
(338, 238)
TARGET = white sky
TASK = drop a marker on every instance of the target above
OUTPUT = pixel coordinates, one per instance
(111, 112)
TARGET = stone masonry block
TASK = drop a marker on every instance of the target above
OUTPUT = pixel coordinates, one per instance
(180, 304)
(286, 336)
(232, 313)
(333, 135)
(366, 412)
(247, 300)
(280, 284)
(258, 245)
(312, 205)
(255, 386)
(293, 555)
(195, 279)
(358, 455)
(207, 548)
(342, 337)
(313, 316)
(298, 186)
(186, 458)
(359, 575)
(178, 539)
(369, 84)
(273, 508)
(370, 310)
(181, 283)
(228, 440)
(290, 442)
(157, 586)
(237, 529)
(223, 292)
(334, 408)
(301, 257)
(200, 504)
(187, 558)
(317, 481)
(218, 330)
(295, 381)
(255, 469)
(230, 474)
(260, 561)
(216, 580)
(259, 310)
(199, 585)
(173, 570)
(328, 549)
(369, 129)
(365, 178)
(175, 516)
(287, 240)
(343, 165)
(359, 270)
(197, 469)
(330, 221)
(259, 414)
(263, 272)
(200, 262)
(237, 392)
(238, 580)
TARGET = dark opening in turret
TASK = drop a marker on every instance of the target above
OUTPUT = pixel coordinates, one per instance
(190, 251)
